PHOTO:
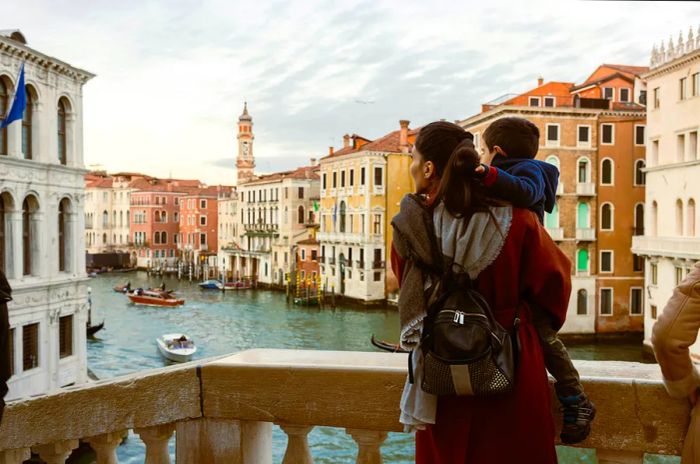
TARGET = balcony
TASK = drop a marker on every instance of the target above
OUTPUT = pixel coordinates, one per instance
(560, 188)
(359, 264)
(671, 247)
(585, 189)
(222, 410)
(557, 234)
(378, 265)
(585, 234)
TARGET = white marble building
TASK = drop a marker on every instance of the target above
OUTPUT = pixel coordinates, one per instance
(671, 242)
(42, 248)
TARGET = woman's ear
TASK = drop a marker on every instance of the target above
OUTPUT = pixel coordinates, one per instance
(428, 169)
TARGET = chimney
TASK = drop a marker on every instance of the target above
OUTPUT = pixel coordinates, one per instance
(540, 81)
(313, 161)
(346, 141)
(403, 136)
(330, 151)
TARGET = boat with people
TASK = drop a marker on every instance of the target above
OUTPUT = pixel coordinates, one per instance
(211, 284)
(176, 347)
(154, 298)
(238, 285)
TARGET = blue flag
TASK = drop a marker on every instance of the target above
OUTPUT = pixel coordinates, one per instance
(19, 103)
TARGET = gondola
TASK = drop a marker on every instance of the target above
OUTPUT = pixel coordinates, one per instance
(386, 346)
(93, 329)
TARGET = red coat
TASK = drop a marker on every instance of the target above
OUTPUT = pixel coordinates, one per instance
(516, 427)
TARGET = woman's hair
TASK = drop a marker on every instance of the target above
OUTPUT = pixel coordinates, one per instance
(451, 150)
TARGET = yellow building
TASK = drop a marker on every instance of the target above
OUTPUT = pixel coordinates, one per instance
(361, 187)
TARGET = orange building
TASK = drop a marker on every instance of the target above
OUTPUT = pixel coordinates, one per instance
(595, 136)
(199, 224)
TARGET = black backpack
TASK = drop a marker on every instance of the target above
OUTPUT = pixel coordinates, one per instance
(466, 351)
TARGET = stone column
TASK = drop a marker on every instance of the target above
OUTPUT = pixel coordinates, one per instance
(56, 453)
(369, 443)
(256, 442)
(156, 440)
(297, 446)
(15, 223)
(37, 154)
(106, 445)
(14, 456)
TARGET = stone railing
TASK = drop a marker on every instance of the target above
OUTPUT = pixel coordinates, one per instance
(673, 247)
(222, 410)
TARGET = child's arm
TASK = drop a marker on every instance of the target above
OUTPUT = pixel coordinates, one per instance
(523, 186)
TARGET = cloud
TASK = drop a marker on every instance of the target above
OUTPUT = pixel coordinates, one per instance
(172, 75)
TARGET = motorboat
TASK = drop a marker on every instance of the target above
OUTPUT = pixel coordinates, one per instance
(238, 285)
(122, 288)
(154, 298)
(176, 347)
(211, 284)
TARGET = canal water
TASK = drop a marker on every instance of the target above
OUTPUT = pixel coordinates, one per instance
(223, 323)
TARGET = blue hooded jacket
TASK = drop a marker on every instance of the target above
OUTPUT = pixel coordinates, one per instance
(526, 183)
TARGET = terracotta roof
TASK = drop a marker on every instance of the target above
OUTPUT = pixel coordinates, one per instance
(636, 70)
(627, 106)
(308, 241)
(304, 172)
(99, 182)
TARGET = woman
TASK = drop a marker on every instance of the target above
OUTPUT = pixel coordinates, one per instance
(513, 262)
(674, 332)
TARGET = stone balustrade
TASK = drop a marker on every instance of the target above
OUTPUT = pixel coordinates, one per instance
(222, 410)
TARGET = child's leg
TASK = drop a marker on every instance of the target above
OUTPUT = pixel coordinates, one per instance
(556, 357)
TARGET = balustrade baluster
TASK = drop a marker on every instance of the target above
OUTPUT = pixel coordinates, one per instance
(106, 445)
(608, 456)
(56, 453)
(14, 456)
(369, 443)
(156, 440)
(298, 451)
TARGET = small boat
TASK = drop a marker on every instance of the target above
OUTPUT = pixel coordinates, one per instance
(237, 285)
(211, 284)
(93, 329)
(176, 347)
(157, 298)
(387, 346)
(122, 288)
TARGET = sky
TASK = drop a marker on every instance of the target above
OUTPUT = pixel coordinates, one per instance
(172, 75)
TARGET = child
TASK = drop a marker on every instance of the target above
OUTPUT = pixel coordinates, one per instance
(512, 174)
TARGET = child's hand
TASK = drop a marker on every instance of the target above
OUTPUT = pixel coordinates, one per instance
(481, 170)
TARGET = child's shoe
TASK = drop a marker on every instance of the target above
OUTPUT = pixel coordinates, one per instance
(579, 412)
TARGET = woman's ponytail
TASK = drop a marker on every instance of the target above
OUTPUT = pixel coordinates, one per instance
(457, 183)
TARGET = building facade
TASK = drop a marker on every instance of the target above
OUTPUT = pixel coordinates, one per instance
(199, 226)
(107, 213)
(671, 240)
(361, 187)
(229, 223)
(593, 133)
(42, 248)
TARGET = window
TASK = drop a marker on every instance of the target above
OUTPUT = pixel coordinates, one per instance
(377, 224)
(583, 216)
(582, 260)
(549, 102)
(606, 217)
(303, 254)
(607, 134)
(27, 126)
(680, 147)
(657, 99)
(533, 101)
(63, 238)
(606, 301)
(636, 303)
(176, 216)
(692, 145)
(552, 134)
(640, 177)
(300, 214)
(314, 255)
(695, 84)
(654, 152)
(639, 135)
(164, 238)
(690, 219)
(352, 177)
(335, 179)
(30, 346)
(342, 216)
(301, 190)
(584, 136)
(679, 217)
(637, 263)
(342, 179)
(606, 261)
(583, 171)
(643, 97)
(608, 93)
(683, 88)
(29, 208)
(638, 219)
(625, 95)
(202, 220)
(202, 239)
(654, 271)
(378, 177)
(582, 302)
(362, 176)
(4, 108)
(679, 275)
(324, 180)
(65, 336)
(61, 130)
(606, 172)
(202, 204)
(653, 311)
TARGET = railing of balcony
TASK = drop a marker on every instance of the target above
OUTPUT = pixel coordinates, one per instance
(222, 410)
(378, 265)
(360, 264)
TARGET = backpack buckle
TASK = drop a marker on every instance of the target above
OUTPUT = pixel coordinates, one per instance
(458, 318)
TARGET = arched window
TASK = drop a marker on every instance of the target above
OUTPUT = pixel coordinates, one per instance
(582, 260)
(583, 175)
(654, 219)
(164, 237)
(640, 177)
(606, 172)
(300, 214)
(27, 124)
(606, 217)
(62, 125)
(114, 218)
(156, 215)
(30, 245)
(4, 108)
(342, 216)
(690, 230)
(551, 220)
(105, 219)
(64, 235)
(6, 205)
(121, 218)
(582, 302)
(679, 217)
(639, 219)
(127, 217)
(164, 216)
(104, 239)
(156, 238)
(583, 216)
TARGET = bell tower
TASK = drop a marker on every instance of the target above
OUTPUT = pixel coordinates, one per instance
(245, 162)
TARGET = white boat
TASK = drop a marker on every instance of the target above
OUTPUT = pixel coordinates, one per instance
(176, 347)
